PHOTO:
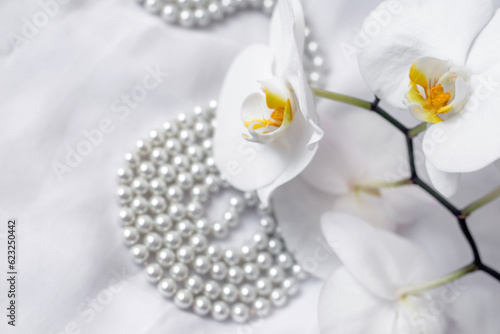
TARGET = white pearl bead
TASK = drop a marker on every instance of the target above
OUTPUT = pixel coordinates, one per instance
(144, 224)
(263, 307)
(143, 147)
(228, 6)
(235, 275)
(127, 216)
(187, 137)
(202, 130)
(231, 257)
(157, 137)
(183, 4)
(185, 254)
(276, 274)
(248, 253)
(298, 272)
(202, 264)
(158, 186)
(175, 193)
(229, 293)
(219, 271)
(200, 193)
(195, 284)
(264, 260)
(260, 241)
(147, 170)
(152, 6)
(268, 6)
(171, 128)
(185, 120)
(140, 186)
(264, 286)
(290, 285)
(247, 293)
(198, 171)
(202, 226)
(185, 181)
(177, 211)
(185, 228)
(173, 146)
(278, 297)
(255, 3)
(212, 183)
(231, 218)
(214, 252)
(125, 175)
(183, 299)
(202, 305)
(158, 204)
(195, 210)
(220, 229)
(264, 209)
(251, 198)
(212, 289)
(153, 241)
(139, 253)
(210, 163)
(215, 11)
(163, 223)
(207, 145)
(198, 242)
(130, 235)
(132, 159)
(220, 311)
(167, 287)
(284, 260)
(140, 205)
(195, 153)
(124, 194)
(201, 17)
(275, 246)
(170, 14)
(153, 272)
(240, 313)
(159, 156)
(165, 257)
(251, 271)
(314, 77)
(179, 271)
(267, 224)
(173, 239)
(181, 163)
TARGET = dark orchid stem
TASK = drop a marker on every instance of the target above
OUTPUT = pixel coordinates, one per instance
(410, 134)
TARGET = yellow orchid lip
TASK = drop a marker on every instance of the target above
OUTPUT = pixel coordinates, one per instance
(266, 123)
(433, 91)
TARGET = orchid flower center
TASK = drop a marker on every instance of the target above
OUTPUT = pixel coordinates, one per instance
(437, 90)
(267, 114)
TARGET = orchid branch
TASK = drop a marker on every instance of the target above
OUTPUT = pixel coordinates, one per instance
(460, 215)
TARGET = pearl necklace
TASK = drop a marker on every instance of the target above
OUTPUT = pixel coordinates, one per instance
(164, 189)
(200, 13)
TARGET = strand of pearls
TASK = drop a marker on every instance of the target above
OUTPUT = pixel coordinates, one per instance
(165, 187)
(200, 13)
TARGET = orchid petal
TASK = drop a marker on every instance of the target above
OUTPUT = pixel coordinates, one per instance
(444, 182)
(413, 30)
(380, 260)
(485, 52)
(299, 218)
(247, 166)
(346, 307)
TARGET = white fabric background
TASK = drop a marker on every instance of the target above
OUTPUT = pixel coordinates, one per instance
(63, 82)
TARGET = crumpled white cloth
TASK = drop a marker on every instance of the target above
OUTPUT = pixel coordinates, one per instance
(64, 82)
(75, 275)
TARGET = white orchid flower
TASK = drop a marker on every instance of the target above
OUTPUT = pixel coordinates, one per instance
(358, 156)
(366, 294)
(267, 130)
(441, 60)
